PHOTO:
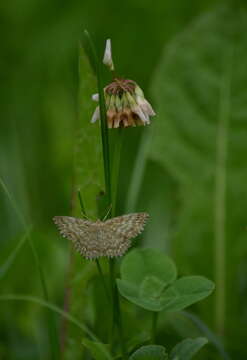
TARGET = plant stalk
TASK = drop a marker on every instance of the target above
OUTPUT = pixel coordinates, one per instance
(116, 313)
(220, 195)
(108, 190)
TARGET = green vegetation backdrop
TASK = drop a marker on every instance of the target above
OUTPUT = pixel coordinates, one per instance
(189, 171)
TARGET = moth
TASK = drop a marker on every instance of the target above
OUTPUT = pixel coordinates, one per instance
(93, 239)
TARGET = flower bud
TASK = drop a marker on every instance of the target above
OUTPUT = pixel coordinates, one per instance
(107, 59)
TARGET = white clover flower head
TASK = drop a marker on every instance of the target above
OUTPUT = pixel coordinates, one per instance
(107, 59)
(125, 104)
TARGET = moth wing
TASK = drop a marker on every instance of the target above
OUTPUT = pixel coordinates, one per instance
(129, 225)
(79, 231)
(119, 230)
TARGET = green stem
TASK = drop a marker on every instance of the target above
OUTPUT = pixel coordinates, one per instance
(116, 167)
(97, 261)
(220, 195)
(154, 326)
(112, 281)
(117, 318)
(103, 279)
(108, 189)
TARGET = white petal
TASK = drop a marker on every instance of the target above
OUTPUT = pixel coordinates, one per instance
(107, 60)
(141, 114)
(95, 97)
(148, 120)
(96, 115)
(146, 107)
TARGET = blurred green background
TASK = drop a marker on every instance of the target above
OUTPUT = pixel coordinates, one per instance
(190, 59)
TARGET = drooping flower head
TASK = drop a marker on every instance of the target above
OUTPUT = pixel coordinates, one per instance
(125, 101)
(125, 105)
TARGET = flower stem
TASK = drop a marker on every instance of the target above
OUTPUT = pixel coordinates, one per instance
(103, 279)
(117, 318)
(108, 192)
(103, 121)
(97, 261)
(116, 167)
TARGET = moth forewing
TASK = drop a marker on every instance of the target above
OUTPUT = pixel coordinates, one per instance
(129, 225)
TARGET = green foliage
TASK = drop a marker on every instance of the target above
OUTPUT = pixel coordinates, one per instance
(186, 291)
(88, 165)
(148, 279)
(88, 177)
(98, 350)
(12, 256)
(139, 264)
(150, 352)
(189, 173)
(200, 140)
(201, 329)
(186, 349)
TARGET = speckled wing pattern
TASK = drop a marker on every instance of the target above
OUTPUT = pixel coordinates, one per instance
(94, 239)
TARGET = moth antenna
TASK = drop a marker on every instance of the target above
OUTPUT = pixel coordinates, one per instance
(85, 216)
(107, 213)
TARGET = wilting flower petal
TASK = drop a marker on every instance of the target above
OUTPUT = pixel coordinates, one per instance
(137, 109)
(145, 106)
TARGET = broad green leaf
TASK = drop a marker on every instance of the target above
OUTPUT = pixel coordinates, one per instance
(131, 293)
(186, 349)
(98, 350)
(185, 292)
(200, 132)
(145, 284)
(145, 273)
(141, 263)
(150, 352)
(181, 294)
(88, 148)
(152, 287)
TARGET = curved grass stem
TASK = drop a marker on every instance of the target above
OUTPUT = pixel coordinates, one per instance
(56, 309)
(53, 337)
